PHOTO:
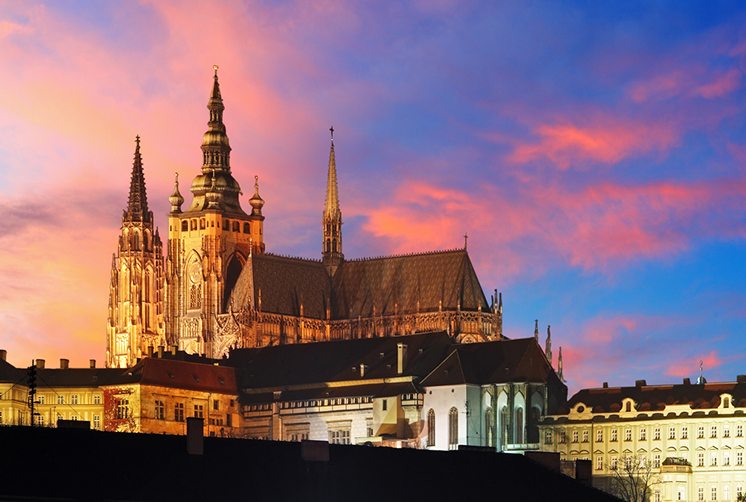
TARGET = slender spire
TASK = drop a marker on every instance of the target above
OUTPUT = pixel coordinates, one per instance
(215, 145)
(536, 330)
(560, 366)
(137, 204)
(332, 217)
(548, 344)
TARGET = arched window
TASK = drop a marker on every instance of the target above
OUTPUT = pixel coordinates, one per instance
(489, 427)
(519, 426)
(136, 240)
(226, 224)
(202, 223)
(184, 226)
(246, 228)
(452, 429)
(195, 297)
(194, 225)
(504, 422)
(431, 427)
(236, 226)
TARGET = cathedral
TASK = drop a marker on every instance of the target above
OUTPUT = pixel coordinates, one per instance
(219, 289)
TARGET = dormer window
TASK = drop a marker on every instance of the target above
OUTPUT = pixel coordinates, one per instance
(628, 406)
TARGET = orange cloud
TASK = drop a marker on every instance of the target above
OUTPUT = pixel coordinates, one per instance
(604, 140)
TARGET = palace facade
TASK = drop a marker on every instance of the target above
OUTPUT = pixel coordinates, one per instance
(219, 289)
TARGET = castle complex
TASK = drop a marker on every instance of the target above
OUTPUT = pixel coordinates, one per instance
(218, 289)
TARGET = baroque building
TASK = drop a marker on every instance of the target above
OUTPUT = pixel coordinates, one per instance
(221, 290)
(135, 319)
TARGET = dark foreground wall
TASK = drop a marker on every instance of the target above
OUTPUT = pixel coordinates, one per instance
(58, 464)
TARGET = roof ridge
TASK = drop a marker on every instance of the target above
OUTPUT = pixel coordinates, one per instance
(291, 257)
(414, 253)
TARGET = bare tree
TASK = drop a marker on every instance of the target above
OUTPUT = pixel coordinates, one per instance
(633, 478)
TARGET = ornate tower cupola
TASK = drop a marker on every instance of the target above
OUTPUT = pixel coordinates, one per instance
(176, 200)
(136, 290)
(332, 217)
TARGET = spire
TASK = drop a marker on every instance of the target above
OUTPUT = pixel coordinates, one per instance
(332, 217)
(256, 200)
(137, 204)
(560, 366)
(548, 345)
(331, 204)
(536, 330)
(215, 145)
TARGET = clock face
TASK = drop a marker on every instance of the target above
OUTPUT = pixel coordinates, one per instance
(195, 274)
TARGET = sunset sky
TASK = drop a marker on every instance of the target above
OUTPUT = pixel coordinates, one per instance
(595, 153)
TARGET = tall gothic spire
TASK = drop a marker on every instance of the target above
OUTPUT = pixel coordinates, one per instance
(548, 344)
(332, 217)
(215, 145)
(137, 204)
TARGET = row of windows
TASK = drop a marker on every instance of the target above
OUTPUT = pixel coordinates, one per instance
(198, 411)
(318, 402)
(656, 460)
(74, 399)
(643, 434)
(714, 493)
(452, 428)
(228, 225)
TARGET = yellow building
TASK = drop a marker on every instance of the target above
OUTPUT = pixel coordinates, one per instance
(691, 435)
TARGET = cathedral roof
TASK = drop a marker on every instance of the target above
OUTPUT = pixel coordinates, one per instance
(520, 360)
(656, 397)
(377, 286)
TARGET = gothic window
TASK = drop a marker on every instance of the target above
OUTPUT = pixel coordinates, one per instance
(123, 410)
(195, 297)
(431, 427)
(231, 278)
(145, 240)
(136, 240)
(519, 425)
(489, 427)
(246, 228)
(453, 429)
(184, 226)
(504, 419)
(236, 226)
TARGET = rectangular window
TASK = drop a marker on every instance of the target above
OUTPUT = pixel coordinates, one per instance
(613, 434)
(714, 459)
(739, 431)
(179, 412)
(199, 411)
(74, 399)
(739, 491)
(97, 399)
(700, 493)
(1, 416)
(339, 433)
(563, 437)
(700, 432)
(599, 436)
(599, 463)
(657, 496)
(96, 421)
(384, 404)
(215, 405)
(60, 399)
(726, 431)
(657, 433)
(123, 409)
(628, 434)
(160, 410)
(574, 436)
(41, 399)
(714, 493)
(684, 433)
(726, 458)
(700, 459)
(643, 434)
(656, 460)
(672, 433)
(739, 458)
(613, 463)
(714, 431)
(547, 436)
(585, 436)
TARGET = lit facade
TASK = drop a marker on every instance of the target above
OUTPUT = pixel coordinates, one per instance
(692, 435)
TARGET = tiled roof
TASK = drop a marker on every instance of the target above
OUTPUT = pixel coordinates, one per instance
(519, 360)
(181, 375)
(311, 363)
(388, 285)
(656, 397)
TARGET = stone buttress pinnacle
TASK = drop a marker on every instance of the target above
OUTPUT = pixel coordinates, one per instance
(137, 203)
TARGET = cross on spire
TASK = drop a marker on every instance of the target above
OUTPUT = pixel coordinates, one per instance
(331, 130)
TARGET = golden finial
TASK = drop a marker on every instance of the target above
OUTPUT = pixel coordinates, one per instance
(215, 67)
(256, 183)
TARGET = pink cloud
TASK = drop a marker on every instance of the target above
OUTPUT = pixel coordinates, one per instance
(722, 85)
(605, 140)
(681, 368)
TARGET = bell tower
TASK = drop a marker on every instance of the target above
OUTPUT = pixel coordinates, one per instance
(331, 250)
(208, 243)
(135, 318)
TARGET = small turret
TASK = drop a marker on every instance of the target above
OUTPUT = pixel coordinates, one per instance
(176, 200)
(257, 203)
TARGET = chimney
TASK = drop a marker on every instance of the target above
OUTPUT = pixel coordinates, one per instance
(401, 358)
(741, 378)
(150, 351)
(195, 437)
(160, 351)
(362, 370)
(687, 381)
(605, 385)
(3, 355)
(64, 364)
(640, 383)
(174, 348)
(92, 363)
(40, 363)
